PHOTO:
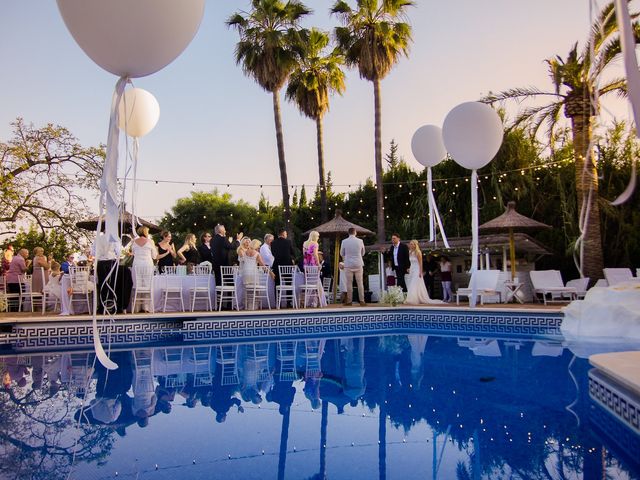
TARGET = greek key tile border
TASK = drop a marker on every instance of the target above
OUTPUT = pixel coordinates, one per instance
(618, 436)
(616, 399)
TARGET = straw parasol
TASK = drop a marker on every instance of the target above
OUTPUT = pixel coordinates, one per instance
(512, 221)
(338, 227)
(125, 222)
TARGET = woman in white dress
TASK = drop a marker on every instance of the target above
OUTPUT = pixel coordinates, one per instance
(416, 290)
(249, 259)
(144, 253)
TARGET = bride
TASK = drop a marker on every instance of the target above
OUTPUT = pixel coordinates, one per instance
(416, 290)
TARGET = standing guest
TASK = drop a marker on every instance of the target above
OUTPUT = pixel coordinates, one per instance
(265, 250)
(389, 274)
(41, 267)
(220, 248)
(107, 253)
(7, 256)
(188, 252)
(166, 251)
(69, 262)
(352, 251)
(325, 267)
(18, 267)
(400, 263)
(445, 277)
(245, 245)
(205, 248)
(283, 253)
(310, 250)
(430, 267)
(143, 249)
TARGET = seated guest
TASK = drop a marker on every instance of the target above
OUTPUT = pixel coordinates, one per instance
(53, 286)
(7, 256)
(166, 251)
(69, 262)
(18, 267)
(188, 252)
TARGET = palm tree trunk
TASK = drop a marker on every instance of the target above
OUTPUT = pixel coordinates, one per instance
(324, 214)
(282, 163)
(378, 159)
(587, 192)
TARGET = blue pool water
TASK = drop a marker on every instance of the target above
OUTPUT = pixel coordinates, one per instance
(399, 406)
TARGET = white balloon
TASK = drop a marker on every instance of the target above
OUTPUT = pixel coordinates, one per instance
(132, 38)
(427, 145)
(472, 133)
(138, 112)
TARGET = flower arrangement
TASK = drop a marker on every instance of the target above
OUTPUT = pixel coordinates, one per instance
(3, 305)
(394, 295)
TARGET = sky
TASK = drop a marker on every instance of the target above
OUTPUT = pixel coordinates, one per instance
(216, 125)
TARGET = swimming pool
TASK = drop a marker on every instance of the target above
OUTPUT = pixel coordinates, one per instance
(420, 403)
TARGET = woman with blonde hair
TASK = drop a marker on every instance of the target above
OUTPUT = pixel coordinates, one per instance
(144, 249)
(310, 250)
(41, 267)
(416, 290)
(249, 260)
(188, 252)
(245, 244)
(53, 286)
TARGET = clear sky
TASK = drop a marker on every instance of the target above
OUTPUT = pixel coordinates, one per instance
(216, 125)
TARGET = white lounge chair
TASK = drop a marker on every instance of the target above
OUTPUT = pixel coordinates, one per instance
(618, 275)
(581, 285)
(549, 284)
(486, 286)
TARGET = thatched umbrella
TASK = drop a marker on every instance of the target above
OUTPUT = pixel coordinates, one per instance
(338, 227)
(126, 220)
(512, 221)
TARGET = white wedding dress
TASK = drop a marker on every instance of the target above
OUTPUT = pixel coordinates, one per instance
(416, 290)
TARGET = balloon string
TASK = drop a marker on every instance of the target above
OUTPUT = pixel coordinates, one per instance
(430, 201)
(474, 233)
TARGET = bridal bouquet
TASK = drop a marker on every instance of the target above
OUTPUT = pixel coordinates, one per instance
(394, 295)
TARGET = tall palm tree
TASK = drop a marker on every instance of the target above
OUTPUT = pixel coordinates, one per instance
(316, 76)
(577, 88)
(268, 50)
(372, 38)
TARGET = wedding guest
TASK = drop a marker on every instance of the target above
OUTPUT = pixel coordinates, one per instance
(430, 268)
(220, 248)
(166, 251)
(53, 286)
(352, 251)
(399, 253)
(310, 250)
(283, 253)
(7, 256)
(204, 249)
(390, 274)
(445, 277)
(69, 262)
(245, 244)
(18, 267)
(265, 250)
(144, 249)
(41, 266)
(188, 252)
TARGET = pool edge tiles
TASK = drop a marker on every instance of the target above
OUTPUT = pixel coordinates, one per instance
(615, 398)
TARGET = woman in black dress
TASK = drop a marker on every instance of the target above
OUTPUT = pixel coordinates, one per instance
(188, 252)
(166, 251)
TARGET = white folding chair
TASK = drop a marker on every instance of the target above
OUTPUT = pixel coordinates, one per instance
(80, 373)
(201, 289)
(173, 359)
(312, 288)
(201, 357)
(259, 354)
(311, 356)
(171, 288)
(80, 286)
(143, 287)
(37, 298)
(228, 359)
(48, 297)
(258, 289)
(327, 283)
(227, 288)
(287, 288)
(9, 298)
(286, 354)
(170, 270)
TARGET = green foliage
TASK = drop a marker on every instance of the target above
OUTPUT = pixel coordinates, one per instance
(54, 243)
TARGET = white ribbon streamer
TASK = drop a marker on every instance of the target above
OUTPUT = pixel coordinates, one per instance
(434, 214)
(474, 236)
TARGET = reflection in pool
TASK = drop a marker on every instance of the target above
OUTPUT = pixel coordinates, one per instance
(403, 406)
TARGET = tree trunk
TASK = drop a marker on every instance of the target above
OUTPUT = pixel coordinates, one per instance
(283, 164)
(587, 192)
(324, 214)
(378, 158)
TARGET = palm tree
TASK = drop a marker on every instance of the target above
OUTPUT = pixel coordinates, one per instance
(310, 84)
(268, 51)
(577, 88)
(372, 38)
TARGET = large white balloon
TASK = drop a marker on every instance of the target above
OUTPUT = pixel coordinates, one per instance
(138, 112)
(132, 38)
(472, 133)
(427, 145)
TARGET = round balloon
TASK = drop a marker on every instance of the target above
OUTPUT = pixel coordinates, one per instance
(138, 112)
(132, 38)
(472, 133)
(427, 145)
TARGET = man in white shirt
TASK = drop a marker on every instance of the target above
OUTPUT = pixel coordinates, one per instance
(352, 251)
(265, 250)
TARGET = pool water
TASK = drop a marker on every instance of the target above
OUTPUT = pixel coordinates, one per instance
(379, 407)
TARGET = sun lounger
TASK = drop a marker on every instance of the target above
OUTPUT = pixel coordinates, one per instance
(618, 275)
(486, 286)
(581, 285)
(548, 283)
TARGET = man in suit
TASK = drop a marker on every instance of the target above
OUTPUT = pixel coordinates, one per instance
(220, 247)
(283, 253)
(399, 253)
(204, 249)
(352, 251)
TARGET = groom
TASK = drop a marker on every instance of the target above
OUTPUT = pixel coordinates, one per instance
(399, 254)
